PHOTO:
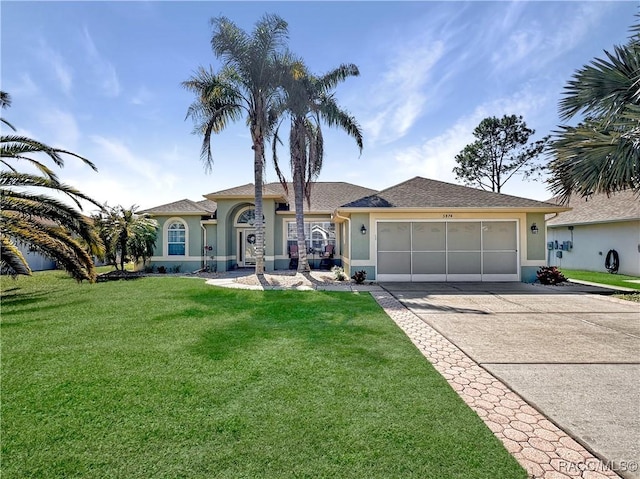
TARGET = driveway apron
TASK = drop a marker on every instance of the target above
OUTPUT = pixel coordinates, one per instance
(571, 353)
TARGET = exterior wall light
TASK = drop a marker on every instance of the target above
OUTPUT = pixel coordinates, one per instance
(534, 229)
(363, 230)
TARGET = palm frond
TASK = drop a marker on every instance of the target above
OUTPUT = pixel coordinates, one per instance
(11, 259)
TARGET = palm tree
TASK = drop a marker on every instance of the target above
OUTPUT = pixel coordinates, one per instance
(126, 234)
(248, 83)
(42, 223)
(309, 102)
(602, 153)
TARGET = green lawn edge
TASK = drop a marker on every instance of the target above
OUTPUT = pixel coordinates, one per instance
(172, 378)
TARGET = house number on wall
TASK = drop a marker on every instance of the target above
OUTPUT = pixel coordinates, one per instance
(447, 215)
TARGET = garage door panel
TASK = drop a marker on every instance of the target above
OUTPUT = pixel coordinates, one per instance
(429, 236)
(464, 263)
(463, 236)
(394, 262)
(429, 263)
(499, 235)
(500, 262)
(394, 236)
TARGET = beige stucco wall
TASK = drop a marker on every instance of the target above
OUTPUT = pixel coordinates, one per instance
(531, 247)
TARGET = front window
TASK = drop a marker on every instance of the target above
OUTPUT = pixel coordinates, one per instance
(176, 239)
(317, 234)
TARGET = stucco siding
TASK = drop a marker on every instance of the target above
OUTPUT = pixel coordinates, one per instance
(591, 244)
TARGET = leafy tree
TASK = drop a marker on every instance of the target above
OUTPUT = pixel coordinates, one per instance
(601, 154)
(42, 223)
(248, 84)
(126, 234)
(309, 101)
(500, 152)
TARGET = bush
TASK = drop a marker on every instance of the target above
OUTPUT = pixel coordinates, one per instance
(550, 275)
(162, 270)
(359, 276)
(339, 274)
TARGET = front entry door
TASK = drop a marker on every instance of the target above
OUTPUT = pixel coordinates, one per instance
(246, 247)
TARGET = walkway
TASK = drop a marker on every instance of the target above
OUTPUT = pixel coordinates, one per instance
(542, 448)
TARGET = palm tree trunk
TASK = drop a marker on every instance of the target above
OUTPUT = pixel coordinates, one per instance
(258, 168)
(298, 187)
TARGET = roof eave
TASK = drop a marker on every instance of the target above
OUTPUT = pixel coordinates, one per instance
(500, 209)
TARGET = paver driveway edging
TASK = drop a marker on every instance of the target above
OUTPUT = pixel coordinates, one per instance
(543, 449)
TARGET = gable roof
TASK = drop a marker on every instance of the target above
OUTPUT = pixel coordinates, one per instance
(326, 196)
(269, 190)
(621, 206)
(204, 207)
(421, 192)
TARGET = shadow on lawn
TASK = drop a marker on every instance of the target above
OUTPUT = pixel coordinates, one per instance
(252, 319)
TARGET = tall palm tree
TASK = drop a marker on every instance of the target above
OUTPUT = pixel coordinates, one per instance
(309, 101)
(602, 153)
(248, 84)
(126, 234)
(42, 223)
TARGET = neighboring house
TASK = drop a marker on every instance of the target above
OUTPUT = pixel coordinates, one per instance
(35, 260)
(582, 238)
(419, 230)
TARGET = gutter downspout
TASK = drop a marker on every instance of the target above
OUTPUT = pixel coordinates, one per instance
(204, 245)
(348, 220)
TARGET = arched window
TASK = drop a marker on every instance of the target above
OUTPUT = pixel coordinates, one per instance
(246, 217)
(176, 239)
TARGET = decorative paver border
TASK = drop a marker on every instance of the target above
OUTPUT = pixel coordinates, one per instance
(543, 449)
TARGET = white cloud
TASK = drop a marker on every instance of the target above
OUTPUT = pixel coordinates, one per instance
(103, 70)
(537, 44)
(142, 96)
(399, 98)
(115, 155)
(61, 129)
(435, 158)
(61, 70)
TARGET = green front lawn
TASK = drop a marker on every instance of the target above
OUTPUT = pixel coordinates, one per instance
(171, 378)
(602, 278)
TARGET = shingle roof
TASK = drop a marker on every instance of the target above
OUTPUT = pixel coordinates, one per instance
(248, 190)
(421, 192)
(185, 206)
(620, 206)
(325, 196)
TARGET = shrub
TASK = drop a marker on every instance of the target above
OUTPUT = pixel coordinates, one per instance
(162, 270)
(339, 274)
(550, 275)
(176, 268)
(359, 276)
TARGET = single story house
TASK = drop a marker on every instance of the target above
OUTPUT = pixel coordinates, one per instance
(582, 237)
(418, 230)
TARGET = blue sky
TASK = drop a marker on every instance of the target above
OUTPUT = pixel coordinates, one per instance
(103, 79)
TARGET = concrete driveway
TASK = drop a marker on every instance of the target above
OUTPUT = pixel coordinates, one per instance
(571, 352)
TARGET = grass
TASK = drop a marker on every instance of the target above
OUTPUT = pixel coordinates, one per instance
(171, 378)
(602, 278)
(607, 278)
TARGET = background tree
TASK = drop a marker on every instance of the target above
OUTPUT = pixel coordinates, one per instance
(248, 84)
(309, 101)
(602, 153)
(500, 152)
(126, 234)
(44, 224)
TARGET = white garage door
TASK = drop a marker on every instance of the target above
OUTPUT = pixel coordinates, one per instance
(447, 251)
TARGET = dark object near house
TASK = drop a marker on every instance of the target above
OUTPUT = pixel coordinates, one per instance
(550, 275)
(612, 261)
(293, 256)
(326, 261)
(359, 276)
(117, 275)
